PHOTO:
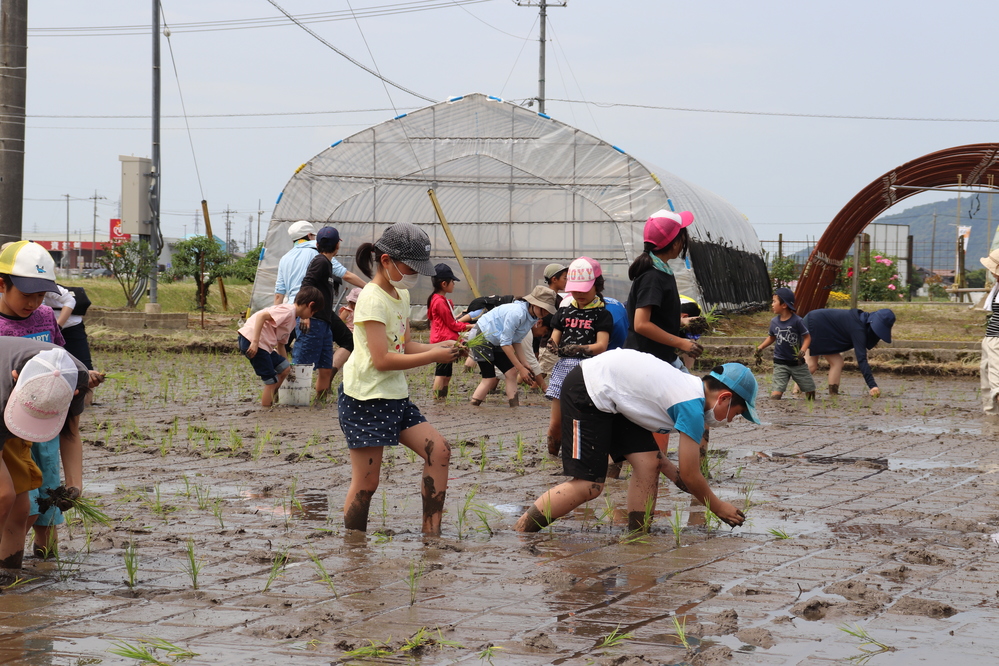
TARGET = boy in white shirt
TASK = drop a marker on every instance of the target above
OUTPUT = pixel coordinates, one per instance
(612, 403)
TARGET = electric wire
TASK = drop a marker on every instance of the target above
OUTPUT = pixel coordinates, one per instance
(213, 115)
(519, 53)
(246, 24)
(573, 74)
(775, 113)
(180, 93)
(486, 23)
(354, 61)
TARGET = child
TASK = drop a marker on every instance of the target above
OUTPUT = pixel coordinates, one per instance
(788, 330)
(74, 331)
(654, 302)
(27, 273)
(580, 329)
(375, 410)
(689, 309)
(504, 329)
(837, 331)
(37, 376)
(990, 343)
(443, 326)
(612, 403)
(317, 334)
(346, 315)
(263, 337)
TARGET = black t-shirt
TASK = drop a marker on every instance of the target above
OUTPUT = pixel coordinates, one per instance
(319, 274)
(580, 326)
(657, 290)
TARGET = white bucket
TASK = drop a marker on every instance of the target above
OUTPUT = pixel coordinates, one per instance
(297, 388)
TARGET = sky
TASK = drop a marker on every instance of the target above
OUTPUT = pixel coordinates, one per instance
(283, 96)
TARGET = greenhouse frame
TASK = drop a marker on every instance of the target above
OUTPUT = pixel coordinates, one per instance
(519, 190)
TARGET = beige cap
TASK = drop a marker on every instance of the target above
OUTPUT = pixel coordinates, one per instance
(543, 297)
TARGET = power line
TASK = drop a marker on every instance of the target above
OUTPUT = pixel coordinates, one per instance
(211, 115)
(251, 23)
(341, 53)
(180, 93)
(775, 113)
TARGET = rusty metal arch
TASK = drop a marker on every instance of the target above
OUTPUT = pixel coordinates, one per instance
(967, 165)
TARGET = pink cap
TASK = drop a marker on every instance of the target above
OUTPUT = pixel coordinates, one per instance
(583, 272)
(663, 226)
(37, 407)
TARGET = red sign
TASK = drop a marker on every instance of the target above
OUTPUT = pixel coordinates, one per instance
(116, 234)
(63, 246)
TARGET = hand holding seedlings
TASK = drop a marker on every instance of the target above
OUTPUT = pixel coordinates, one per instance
(96, 378)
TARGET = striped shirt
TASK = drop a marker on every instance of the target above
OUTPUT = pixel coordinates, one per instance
(992, 328)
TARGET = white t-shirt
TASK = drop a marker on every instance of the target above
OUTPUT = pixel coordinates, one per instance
(361, 380)
(646, 390)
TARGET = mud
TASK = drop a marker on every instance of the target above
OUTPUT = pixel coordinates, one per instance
(877, 513)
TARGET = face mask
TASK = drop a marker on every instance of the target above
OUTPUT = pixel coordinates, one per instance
(407, 281)
(711, 422)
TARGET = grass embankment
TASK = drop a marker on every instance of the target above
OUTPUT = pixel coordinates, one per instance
(172, 296)
(914, 321)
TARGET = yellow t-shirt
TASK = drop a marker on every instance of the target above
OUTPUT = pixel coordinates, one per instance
(361, 380)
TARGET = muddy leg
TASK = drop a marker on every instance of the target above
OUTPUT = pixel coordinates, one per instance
(15, 528)
(436, 453)
(483, 389)
(643, 489)
(557, 502)
(835, 369)
(365, 468)
(555, 428)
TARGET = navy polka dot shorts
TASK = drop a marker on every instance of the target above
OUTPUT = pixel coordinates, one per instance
(375, 422)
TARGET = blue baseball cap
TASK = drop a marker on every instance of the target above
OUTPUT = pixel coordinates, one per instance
(328, 236)
(740, 379)
(444, 272)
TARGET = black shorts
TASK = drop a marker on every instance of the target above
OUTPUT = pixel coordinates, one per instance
(488, 356)
(589, 435)
(443, 369)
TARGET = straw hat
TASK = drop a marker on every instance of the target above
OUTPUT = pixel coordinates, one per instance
(991, 262)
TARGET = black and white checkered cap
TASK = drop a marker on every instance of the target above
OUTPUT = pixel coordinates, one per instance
(409, 244)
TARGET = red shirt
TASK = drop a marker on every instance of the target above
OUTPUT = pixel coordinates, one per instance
(443, 325)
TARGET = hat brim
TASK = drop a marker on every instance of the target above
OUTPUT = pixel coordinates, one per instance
(29, 428)
(421, 266)
(549, 308)
(33, 285)
(580, 286)
(880, 330)
(990, 265)
(750, 414)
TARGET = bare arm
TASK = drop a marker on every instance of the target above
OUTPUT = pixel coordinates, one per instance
(416, 354)
(278, 299)
(258, 326)
(64, 315)
(71, 450)
(515, 353)
(353, 279)
(600, 346)
(690, 473)
(645, 327)
(769, 341)
(806, 342)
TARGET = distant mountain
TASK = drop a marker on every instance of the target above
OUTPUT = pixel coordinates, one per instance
(974, 213)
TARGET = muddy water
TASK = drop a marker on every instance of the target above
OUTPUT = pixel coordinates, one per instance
(877, 514)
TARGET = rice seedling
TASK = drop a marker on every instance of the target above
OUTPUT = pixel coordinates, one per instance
(608, 511)
(865, 639)
(680, 631)
(67, 567)
(711, 521)
(277, 568)
(374, 651)
(259, 445)
(203, 494)
(484, 512)
(614, 638)
(192, 566)
(217, 506)
(489, 652)
(131, 556)
(172, 650)
(546, 511)
(313, 440)
(410, 454)
(293, 500)
(421, 639)
(88, 510)
(137, 652)
(413, 580)
(779, 533)
(154, 503)
(443, 642)
(17, 582)
(747, 495)
(519, 441)
(324, 575)
(384, 509)
(462, 445)
(186, 492)
(235, 441)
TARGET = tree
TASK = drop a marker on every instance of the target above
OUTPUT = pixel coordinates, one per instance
(130, 263)
(203, 259)
(246, 267)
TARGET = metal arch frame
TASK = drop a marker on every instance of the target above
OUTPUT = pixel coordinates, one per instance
(968, 165)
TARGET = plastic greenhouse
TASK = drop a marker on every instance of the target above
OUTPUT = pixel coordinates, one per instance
(519, 190)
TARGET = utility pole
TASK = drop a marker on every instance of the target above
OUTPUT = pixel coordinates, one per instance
(933, 244)
(228, 229)
(13, 77)
(93, 240)
(65, 255)
(543, 6)
(197, 220)
(261, 212)
(153, 307)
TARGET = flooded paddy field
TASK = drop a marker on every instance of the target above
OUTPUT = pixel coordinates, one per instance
(875, 515)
